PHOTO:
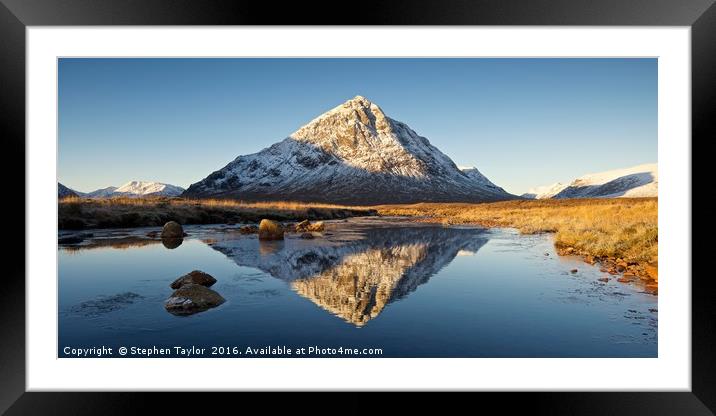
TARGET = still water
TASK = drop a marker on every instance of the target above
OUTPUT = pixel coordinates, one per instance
(409, 290)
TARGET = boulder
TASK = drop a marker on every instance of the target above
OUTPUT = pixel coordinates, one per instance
(316, 226)
(652, 289)
(307, 236)
(195, 277)
(172, 229)
(573, 271)
(306, 225)
(270, 230)
(191, 298)
(302, 226)
(652, 271)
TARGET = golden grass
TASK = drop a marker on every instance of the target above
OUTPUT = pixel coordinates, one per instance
(81, 213)
(176, 201)
(624, 228)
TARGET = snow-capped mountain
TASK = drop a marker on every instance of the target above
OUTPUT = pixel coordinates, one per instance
(63, 191)
(634, 182)
(134, 189)
(141, 188)
(351, 154)
(544, 192)
(100, 193)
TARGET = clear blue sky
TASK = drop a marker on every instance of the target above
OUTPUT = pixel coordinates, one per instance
(522, 122)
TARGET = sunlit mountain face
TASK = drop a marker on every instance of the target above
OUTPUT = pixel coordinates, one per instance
(356, 273)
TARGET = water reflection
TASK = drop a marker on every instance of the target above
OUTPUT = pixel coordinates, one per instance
(172, 243)
(356, 273)
(120, 243)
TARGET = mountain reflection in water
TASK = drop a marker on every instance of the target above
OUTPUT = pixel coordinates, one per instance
(356, 273)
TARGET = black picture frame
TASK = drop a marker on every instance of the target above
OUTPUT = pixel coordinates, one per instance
(16, 15)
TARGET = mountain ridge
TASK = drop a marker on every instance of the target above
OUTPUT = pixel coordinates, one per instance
(132, 189)
(640, 181)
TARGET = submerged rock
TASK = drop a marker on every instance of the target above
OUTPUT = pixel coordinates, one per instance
(270, 230)
(248, 229)
(105, 304)
(172, 229)
(307, 236)
(192, 298)
(195, 277)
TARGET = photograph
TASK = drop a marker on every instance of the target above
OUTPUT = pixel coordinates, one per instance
(357, 207)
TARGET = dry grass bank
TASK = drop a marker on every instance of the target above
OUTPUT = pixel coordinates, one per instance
(623, 229)
(83, 213)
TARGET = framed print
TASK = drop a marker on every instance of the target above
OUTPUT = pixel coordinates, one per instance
(440, 197)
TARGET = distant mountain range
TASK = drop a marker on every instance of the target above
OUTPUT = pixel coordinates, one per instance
(352, 154)
(133, 189)
(634, 182)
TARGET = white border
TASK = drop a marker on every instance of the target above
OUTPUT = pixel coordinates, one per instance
(671, 371)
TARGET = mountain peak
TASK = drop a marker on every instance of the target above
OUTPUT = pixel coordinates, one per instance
(359, 100)
(148, 188)
(356, 108)
(352, 153)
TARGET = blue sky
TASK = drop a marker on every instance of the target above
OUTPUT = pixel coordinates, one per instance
(522, 122)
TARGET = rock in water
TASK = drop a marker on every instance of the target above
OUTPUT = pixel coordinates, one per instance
(248, 229)
(192, 298)
(270, 230)
(302, 226)
(172, 229)
(306, 225)
(307, 236)
(316, 226)
(195, 277)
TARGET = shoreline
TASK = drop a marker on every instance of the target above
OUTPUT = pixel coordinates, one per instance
(630, 271)
(619, 234)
